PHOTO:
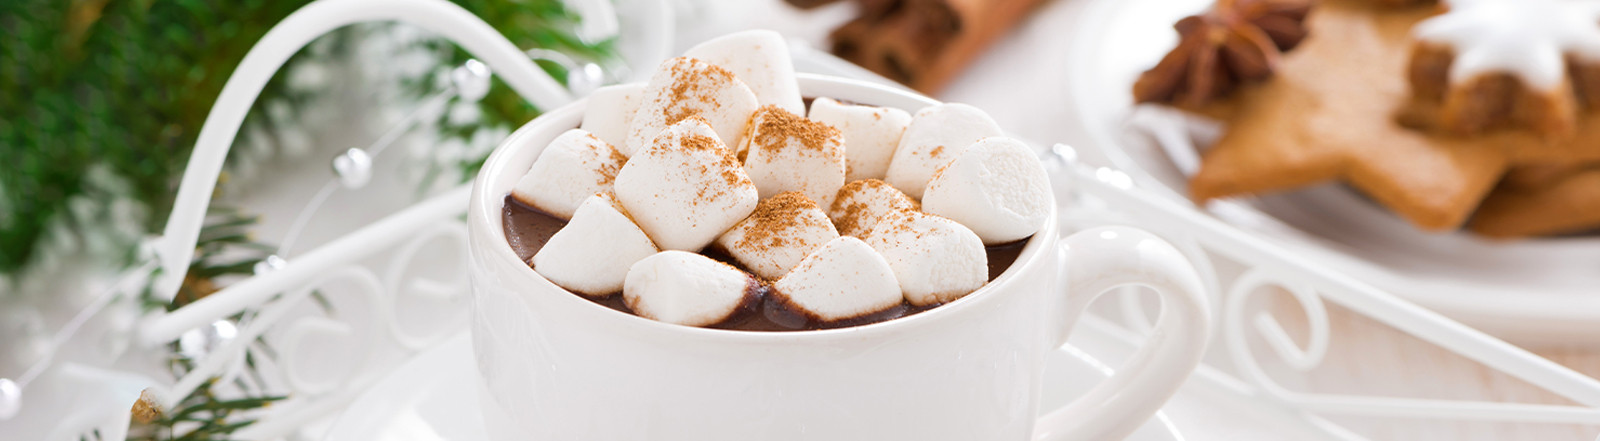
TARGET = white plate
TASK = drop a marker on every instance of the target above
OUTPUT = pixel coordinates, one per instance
(1537, 291)
(433, 397)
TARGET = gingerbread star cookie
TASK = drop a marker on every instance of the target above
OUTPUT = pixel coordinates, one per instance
(1330, 112)
(1325, 116)
(1487, 64)
(1537, 176)
(1567, 203)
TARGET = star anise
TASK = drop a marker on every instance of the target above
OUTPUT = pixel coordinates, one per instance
(1237, 41)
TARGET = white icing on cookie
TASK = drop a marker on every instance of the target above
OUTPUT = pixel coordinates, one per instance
(1526, 38)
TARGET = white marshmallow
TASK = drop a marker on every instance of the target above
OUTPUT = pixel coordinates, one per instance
(761, 59)
(861, 204)
(786, 152)
(936, 135)
(685, 288)
(610, 111)
(592, 253)
(685, 188)
(844, 279)
(684, 87)
(935, 259)
(997, 188)
(871, 135)
(573, 167)
(778, 235)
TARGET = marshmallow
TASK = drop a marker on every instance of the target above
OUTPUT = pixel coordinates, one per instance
(573, 167)
(936, 135)
(997, 188)
(610, 111)
(686, 288)
(843, 279)
(685, 87)
(760, 58)
(870, 135)
(936, 260)
(786, 152)
(685, 188)
(778, 235)
(592, 253)
(861, 204)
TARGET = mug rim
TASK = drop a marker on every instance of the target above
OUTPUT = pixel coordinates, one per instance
(486, 204)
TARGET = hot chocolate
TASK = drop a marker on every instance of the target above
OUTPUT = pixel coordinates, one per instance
(733, 203)
(527, 229)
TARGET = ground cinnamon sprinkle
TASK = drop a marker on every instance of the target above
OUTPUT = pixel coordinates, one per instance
(852, 216)
(772, 221)
(731, 175)
(936, 151)
(700, 143)
(900, 222)
(609, 168)
(853, 207)
(720, 166)
(774, 127)
(730, 167)
(617, 156)
(692, 82)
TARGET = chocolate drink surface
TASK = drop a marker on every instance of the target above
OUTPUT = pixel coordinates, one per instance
(527, 229)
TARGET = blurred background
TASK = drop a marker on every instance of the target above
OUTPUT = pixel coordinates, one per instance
(102, 102)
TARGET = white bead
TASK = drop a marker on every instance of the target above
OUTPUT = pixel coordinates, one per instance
(353, 167)
(471, 80)
(10, 399)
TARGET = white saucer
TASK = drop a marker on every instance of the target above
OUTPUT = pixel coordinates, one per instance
(433, 397)
(1531, 291)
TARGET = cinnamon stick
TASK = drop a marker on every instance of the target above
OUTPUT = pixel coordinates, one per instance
(925, 43)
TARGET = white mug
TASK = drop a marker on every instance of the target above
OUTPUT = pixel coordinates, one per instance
(559, 367)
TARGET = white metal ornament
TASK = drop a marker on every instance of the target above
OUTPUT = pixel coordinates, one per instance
(368, 272)
(176, 247)
(1105, 195)
(285, 284)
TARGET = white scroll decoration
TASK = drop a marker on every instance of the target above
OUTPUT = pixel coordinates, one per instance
(402, 283)
(1268, 267)
(1301, 359)
(363, 338)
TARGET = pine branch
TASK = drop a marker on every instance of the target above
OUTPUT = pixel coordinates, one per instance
(104, 99)
(121, 85)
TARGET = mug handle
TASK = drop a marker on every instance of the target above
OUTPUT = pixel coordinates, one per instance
(1096, 261)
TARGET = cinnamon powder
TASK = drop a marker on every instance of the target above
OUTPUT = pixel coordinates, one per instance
(775, 127)
(689, 81)
(609, 169)
(850, 223)
(728, 169)
(774, 218)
